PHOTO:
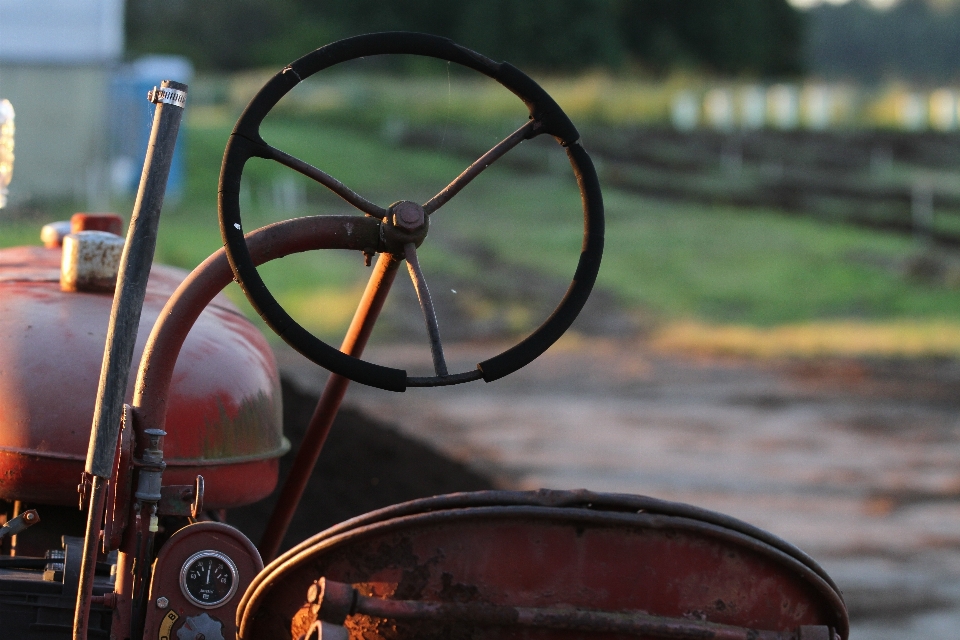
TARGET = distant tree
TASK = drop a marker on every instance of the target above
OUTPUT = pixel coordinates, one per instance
(215, 34)
(728, 36)
(561, 35)
(913, 40)
(760, 37)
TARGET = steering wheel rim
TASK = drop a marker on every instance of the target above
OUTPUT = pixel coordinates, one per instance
(245, 142)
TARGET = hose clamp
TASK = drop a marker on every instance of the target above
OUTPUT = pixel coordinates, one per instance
(166, 95)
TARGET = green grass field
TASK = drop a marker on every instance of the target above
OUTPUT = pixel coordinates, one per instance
(669, 261)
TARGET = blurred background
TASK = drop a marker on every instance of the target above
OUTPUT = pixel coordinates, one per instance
(827, 128)
(775, 331)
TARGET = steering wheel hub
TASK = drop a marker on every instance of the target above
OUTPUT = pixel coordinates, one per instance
(408, 215)
(406, 222)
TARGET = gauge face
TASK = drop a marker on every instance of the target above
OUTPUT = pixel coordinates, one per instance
(208, 579)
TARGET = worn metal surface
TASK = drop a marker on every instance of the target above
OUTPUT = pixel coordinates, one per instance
(550, 549)
(338, 600)
(227, 427)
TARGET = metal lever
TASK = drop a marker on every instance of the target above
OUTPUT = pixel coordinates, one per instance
(135, 264)
(426, 304)
(18, 524)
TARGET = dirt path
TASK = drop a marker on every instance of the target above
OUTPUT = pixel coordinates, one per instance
(857, 463)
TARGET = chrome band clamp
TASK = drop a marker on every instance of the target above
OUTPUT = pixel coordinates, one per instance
(166, 95)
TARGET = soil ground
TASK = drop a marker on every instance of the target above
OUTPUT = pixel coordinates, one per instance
(366, 464)
(856, 462)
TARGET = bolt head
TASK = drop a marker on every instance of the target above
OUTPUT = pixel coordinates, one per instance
(162, 603)
(408, 215)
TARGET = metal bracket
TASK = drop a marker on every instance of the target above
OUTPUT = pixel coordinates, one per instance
(181, 499)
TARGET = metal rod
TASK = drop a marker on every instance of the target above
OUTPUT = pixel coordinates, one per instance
(135, 264)
(339, 598)
(120, 622)
(328, 181)
(479, 165)
(144, 566)
(134, 270)
(426, 305)
(313, 440)
(562, 619)
(88, 563)
(19, 523)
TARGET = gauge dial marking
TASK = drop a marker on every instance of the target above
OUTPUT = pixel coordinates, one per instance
(209, 578)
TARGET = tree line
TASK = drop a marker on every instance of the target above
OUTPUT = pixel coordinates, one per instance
(752, 37)
(915, 39)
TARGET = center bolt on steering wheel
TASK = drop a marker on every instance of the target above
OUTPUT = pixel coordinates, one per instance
(403, 226)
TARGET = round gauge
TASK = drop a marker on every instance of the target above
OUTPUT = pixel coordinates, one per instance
(208, 579)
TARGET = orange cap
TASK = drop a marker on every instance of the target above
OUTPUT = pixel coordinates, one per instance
(109, 222)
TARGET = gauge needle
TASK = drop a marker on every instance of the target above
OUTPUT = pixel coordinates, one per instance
(209, 564)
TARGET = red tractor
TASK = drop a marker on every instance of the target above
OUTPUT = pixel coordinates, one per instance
(149, 555)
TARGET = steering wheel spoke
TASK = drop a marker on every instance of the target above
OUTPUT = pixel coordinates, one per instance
(426, 305)
(326, 180)
(528, 130)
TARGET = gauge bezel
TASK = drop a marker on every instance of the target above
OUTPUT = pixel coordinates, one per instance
(210, 553)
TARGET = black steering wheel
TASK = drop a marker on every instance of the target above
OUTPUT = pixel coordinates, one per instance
(403, 225)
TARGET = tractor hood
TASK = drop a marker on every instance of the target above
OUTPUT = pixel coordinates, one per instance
(224, 413)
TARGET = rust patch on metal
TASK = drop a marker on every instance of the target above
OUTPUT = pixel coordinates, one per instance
(412, 572)
(303, 620)
(463, 566)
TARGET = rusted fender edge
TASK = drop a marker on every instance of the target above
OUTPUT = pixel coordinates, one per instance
(334, 601)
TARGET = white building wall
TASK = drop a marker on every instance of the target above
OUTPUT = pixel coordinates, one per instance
(57, 58)
(61, 31)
